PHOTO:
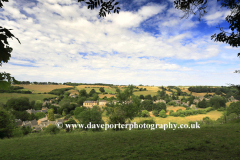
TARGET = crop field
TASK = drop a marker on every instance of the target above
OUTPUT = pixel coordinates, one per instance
(107, 95)
(212, 115)
(42, 88)
(4, 97)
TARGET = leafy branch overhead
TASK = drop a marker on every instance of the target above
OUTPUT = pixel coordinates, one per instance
(105, 6)
(233, 39)
(5, 50)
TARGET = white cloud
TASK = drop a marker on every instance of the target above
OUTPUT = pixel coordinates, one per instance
(54, 42)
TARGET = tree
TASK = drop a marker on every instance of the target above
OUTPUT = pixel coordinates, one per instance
(92, 92)
(93, 115)
(121, 112)
(78, 110)
(159, 106)
(6, 124)
(162, 114)
(234, 108)
(147, 105)
(83, 93)
(149, 97)
(38, 105)
(51, 115)
(145, 113)
(18, 104)
(101, 89)
(202, 104)
(64, 113)
(141, 96)
(95, 96)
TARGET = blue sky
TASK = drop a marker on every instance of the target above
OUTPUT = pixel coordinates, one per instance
(146, 43)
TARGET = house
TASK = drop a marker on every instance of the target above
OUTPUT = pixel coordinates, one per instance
(114, 101)
(45, 102)
(44, 110)
(34, 123)
(193, 106)
(195, 101)
(90, 103)
(102, 102)
(30, 111)
(42, 120)
(177, 101)
(18, 122)
(26, 124)
(55, 105)
(161, 100)
(73, 95)
(201, 98)
(186, 104)
(142, 100)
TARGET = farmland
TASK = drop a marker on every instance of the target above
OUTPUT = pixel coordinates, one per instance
(4, 97)
(42, 88)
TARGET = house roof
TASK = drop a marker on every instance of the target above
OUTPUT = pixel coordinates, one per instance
(90, 101)
(34, 122)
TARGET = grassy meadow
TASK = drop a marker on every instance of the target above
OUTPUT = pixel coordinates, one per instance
(219, 142)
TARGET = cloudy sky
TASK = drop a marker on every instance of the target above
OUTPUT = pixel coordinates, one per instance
(146, 43)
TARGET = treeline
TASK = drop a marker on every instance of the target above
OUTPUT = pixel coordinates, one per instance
(76, 84)
(41, 83)
(15, 89)
(228, 91)
(59, 91)
(201, 89)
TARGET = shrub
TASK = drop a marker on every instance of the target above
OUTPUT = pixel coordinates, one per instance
(221, 109)
(171, 111)
(179, 110)
(202, 112)
(145, 113)
(17, 132)
(52, 129)
(182, 115)
(162, 114)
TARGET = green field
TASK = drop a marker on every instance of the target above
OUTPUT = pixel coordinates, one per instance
(4, 97)
(219, 142)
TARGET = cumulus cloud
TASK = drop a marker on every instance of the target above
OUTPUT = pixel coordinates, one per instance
(62, 40)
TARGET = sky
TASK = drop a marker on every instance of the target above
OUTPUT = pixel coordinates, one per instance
(146, 43)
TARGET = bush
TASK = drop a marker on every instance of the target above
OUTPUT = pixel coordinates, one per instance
(150, 121)
(182, 115)
(155, 113)
(17, 132)
(52, 129)
(145, 113)
(171, 111)
(162, 114)
(221, 109)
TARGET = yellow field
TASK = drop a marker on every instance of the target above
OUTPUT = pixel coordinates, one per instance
(214, 115)
(107, 95)
(42, 88)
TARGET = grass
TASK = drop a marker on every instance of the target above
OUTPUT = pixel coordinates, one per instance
(6, 96)
(42, 88)
(221, 142)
